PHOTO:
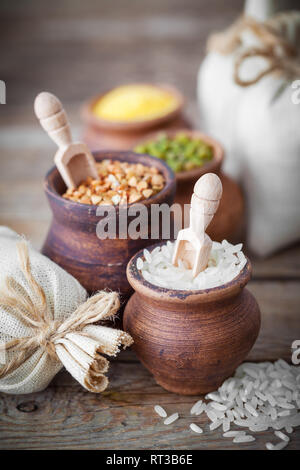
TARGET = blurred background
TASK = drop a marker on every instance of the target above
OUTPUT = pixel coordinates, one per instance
(78, 49)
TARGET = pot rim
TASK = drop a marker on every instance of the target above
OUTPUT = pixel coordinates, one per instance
(122, 126)
(212, 166)
(114, 155)
(143, 287)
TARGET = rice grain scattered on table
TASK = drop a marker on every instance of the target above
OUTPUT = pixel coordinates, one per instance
(254, 400)
(269, 446)
(218, 406)
(279, 446)
(282, 436)
(171, 418)
(194, 427)
(234, 433)
(196, 406)
(215, 424)
(160, 411)
(245, 438)
(200, 410)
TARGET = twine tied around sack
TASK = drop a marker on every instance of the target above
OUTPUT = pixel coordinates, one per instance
(75, 336)
(275, 48)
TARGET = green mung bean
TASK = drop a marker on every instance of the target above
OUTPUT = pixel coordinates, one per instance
(181, 153)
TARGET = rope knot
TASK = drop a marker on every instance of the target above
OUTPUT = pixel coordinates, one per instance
(280, 54)
(45, 337)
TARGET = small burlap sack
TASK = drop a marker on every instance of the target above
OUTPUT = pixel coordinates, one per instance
(46, 322)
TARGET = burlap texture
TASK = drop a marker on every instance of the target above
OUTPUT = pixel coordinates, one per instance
(65, 336)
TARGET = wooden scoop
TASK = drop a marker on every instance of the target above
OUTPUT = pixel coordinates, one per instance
(193, 245)
(74, 161)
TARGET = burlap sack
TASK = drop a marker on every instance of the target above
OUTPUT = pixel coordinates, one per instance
(246, 86)
(47, 323)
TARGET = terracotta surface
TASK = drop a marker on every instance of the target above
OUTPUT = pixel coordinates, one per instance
(191, 341)
(229, 218)
(102, 134)
(72, 241)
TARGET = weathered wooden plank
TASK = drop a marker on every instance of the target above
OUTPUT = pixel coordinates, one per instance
(69, 417)
(279, 304)
(121, 418)
(285, 264)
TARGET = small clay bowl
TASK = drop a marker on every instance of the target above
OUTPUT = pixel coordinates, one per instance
(72, 240)
(104, 134)
(191, 341)
(228, 220)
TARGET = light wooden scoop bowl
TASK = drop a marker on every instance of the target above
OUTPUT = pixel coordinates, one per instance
(193, 245)
(74, 161)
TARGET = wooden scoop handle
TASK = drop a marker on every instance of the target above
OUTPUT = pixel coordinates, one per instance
(53, 118)
(205, 201)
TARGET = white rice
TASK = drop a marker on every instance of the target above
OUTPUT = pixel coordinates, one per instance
(225, 263)
(240, 401)
(218, 406)
(211, 415)
(245, 438)
(214, 397)
(194, 427)
(280, 446)
(282, 436)
(200, 410)
(273, 408)
(160, 411)
(171, 418)
(251, 409)
(215, 424)
(139, 264)
(234, 433)
(147, 256)
(196, 406)
(284, 413)
(269, 446)
(226, 425)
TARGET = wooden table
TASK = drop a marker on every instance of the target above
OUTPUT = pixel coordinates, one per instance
(75, 50)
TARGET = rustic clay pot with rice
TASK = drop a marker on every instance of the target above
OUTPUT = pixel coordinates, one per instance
(191, 341)
(72, 241)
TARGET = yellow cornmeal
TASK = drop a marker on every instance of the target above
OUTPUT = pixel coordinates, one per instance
(135, 103)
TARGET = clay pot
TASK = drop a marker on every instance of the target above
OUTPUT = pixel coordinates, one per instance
(72, 240)
(191, 341)
(229, 218)
(102, 134)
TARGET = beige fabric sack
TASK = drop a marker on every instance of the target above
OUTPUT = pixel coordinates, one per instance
(246, 86)
(46, 322)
